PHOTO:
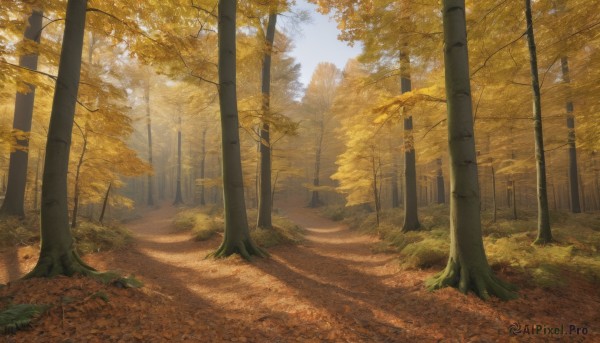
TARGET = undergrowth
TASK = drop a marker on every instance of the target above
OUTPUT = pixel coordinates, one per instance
(89, 237)
(507, 242)
(206, 222)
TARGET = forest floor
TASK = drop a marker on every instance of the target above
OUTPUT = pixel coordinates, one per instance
(331, 288)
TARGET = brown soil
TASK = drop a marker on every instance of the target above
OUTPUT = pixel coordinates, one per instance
(332, 288)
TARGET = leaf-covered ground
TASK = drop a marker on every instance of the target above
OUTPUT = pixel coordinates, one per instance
(332, 288)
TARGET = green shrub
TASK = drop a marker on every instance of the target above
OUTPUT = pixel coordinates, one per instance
(284, 232)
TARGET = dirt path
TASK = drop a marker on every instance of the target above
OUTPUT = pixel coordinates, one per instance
(329, 289)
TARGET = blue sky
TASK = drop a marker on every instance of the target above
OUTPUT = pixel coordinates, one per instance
(318, 42)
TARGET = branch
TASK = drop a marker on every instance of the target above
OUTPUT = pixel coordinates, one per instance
(497, 51)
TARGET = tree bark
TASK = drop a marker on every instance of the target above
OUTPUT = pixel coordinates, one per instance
(57, 254)
(265, 204)
(544, 235)
(494, 204)
(467, 267)
(315, 201)
(14, 200)
(237, 235)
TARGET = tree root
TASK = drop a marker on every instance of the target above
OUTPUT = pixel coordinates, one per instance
(480, 281)
(245, 248)
(68, 264)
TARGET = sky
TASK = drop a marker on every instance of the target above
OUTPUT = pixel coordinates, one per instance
(317, 42)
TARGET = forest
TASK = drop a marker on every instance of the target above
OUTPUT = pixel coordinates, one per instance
(168, 174)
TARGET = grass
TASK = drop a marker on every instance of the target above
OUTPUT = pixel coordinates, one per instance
(206, 222)
(507, 242)
(89, 237)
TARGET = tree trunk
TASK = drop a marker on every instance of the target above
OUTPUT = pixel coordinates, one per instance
(178, 197)
(315, 201)
(573, 172)
(544, 235)
(237, 235)
(105, 203)
(264, 203)
(395, 189)
(76, 190)
(202, 168)
(494, 194)
(57, 254)
(375, 189)
(37, 180)
(150, 201)
(411, 217)
(467, 267)
(441, 192)
(14, 200)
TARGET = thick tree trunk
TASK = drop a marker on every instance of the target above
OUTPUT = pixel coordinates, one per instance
(374, 170)
(105, 203)
(411, 217)
(237, 235)
(544, 235)
(573, 172)
(178, 197)
(441, 192)
(150, 201)
(265, 204)
(467, 267)
(14, 200)
(57, 255)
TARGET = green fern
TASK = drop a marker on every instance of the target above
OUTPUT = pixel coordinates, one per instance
(16, 317)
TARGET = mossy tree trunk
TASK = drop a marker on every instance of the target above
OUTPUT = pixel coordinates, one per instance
(544, 235)
(237, 235)
(467, 268)
(57, 255)
(265, 199)
(14, 200)
(411, 216)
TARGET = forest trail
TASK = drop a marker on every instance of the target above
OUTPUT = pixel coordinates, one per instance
(330, 288)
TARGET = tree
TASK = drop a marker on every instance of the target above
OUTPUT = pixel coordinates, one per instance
(17, 173)
(265, 204)
(544, 232)
(237, 235)
(411, 216)
(178, 197)
(318, 101)
(57, 254)
(467, 266)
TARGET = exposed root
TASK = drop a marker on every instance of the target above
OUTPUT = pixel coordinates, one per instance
(480, 281)
(68, 264)
(245, 248)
